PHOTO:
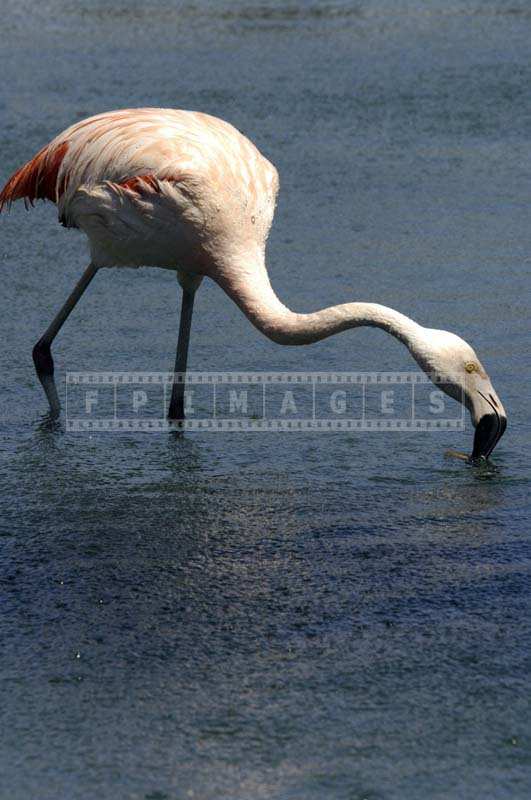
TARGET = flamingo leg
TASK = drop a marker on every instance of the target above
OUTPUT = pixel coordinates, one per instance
(42, 356)
(176, 407)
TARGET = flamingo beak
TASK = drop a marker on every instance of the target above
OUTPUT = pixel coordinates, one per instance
(490, 427)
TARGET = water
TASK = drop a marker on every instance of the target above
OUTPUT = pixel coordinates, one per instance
(289, 617)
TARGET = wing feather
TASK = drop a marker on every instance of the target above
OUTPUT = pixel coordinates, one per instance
(131, 148)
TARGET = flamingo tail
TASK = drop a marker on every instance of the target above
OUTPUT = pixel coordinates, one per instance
(36, 180)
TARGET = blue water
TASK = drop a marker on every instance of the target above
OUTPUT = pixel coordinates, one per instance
(277, 616)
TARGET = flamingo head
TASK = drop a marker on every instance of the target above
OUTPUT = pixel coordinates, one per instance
(456, 369)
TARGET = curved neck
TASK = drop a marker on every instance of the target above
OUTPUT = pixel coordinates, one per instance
(252, 292)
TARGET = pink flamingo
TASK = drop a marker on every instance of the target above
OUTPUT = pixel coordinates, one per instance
(188, 192)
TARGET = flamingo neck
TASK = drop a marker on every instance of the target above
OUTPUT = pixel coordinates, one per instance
(251, 290)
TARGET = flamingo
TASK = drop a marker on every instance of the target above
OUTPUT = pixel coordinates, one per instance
(187, 191)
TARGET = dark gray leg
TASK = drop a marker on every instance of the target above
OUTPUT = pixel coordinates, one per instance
(176, 407)
(42, 356)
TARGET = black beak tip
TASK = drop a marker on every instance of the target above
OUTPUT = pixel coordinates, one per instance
(489, 431)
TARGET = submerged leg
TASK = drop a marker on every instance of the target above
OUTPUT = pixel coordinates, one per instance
(42, 356)
(190, 284)
(176, 407)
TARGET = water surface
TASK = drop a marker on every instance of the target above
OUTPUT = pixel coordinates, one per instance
(274, 616)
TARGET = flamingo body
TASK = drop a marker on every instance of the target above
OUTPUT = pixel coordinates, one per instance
(155, 187)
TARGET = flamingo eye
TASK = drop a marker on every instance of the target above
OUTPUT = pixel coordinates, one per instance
(471, 367)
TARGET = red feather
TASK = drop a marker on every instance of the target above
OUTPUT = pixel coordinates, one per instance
(36, 180)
